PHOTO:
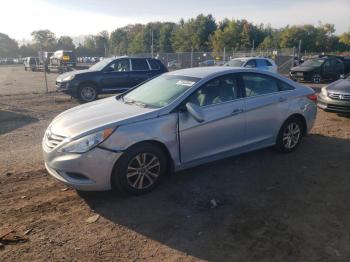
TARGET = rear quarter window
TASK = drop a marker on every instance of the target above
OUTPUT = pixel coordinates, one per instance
(283, 86)
(139, 65)
(154, 64)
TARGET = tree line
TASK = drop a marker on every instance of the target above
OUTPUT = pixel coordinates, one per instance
(202, 33)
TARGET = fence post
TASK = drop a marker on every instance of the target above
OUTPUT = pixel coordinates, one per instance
(191, 56)
(224, 54)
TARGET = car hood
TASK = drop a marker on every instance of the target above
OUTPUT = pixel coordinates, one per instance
(303, 68)
(341, 86)
(75, 72)
(92, 117)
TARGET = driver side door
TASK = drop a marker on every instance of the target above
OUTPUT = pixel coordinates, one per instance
(116, 76)
(223, 128)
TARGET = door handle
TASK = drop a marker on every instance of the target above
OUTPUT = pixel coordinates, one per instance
(282, 99)
(237, 111)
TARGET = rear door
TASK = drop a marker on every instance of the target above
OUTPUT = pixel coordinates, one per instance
(140, 71)
(267, 102)
(115, 77)
(224, 123)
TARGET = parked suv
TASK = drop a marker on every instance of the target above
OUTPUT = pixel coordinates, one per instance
(112, 75)
(261, 63)
(319, 69)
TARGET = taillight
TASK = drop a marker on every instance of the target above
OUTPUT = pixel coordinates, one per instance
(312, 97)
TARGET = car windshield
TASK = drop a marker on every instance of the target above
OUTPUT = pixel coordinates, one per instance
(235, 63)
(313, 62)
(100, 65)
(160, 91)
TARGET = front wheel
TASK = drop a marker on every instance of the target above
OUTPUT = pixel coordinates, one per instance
(87, 93)
(290, 135)
(139, 170)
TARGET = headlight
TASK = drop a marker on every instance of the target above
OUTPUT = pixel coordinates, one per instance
(88, 142)
(324, 90)
(68, 78)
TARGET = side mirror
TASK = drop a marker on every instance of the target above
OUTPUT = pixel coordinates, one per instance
(195, 111)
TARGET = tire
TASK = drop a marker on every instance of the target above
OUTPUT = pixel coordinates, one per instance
(290, 135)
(87, 93)
(25, 69)
(131, 176)
(316, 78)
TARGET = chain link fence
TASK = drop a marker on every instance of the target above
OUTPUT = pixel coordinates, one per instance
(284, 58)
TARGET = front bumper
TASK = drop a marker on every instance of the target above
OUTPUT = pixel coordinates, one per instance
(326, 103)
(90, 171)
(62, 86)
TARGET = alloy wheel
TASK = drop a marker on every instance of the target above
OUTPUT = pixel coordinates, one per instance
(88, 93)
(291, 135)
(143, 171)
(316, 78)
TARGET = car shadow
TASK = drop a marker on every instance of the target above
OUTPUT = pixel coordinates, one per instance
(262, 206)
(10, 121)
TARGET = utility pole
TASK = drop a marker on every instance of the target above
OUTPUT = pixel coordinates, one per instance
(43, 60)
(299, 50)
(224, 54)
(152, 43)
(191, 56)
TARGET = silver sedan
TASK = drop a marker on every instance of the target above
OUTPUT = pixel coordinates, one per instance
(175, 121)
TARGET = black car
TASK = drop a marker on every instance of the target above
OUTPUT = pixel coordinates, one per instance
(112, 75)
(319, 69)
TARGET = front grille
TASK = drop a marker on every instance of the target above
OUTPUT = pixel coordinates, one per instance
(53, 140)
(336, 96)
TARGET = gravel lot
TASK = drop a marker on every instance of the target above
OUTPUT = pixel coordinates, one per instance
(268, 206)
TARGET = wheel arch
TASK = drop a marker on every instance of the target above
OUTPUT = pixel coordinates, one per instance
(89, 82)
(301, 118)
(159, 144)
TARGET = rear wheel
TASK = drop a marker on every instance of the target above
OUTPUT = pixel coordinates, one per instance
(290, 135)
(316, 78)
(87, 93)
(139, 170)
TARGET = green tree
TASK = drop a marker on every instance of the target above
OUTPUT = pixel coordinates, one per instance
(8, 46)
(194, 33)
(345, 39)
(165, 35)
(45, 38)
(118, 42)
(65, 43)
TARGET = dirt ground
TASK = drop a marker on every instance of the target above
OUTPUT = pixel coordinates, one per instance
(261, 206)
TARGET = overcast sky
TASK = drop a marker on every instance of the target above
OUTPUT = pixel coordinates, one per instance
(80, 17)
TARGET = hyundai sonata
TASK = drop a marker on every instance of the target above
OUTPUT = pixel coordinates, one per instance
(175, 121)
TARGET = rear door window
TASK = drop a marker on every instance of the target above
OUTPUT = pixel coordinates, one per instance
(154, 64)
(139, 65)
(258, 84)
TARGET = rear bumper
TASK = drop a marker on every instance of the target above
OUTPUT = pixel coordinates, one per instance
(333, 105)
(300, 76)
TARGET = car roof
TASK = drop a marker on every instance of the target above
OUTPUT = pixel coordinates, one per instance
(202, 72)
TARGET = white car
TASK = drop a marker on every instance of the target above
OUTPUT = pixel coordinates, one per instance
(261, 63)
